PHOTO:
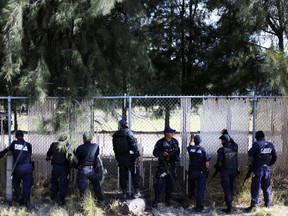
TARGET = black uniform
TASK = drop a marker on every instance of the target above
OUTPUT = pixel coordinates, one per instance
(227, 164)
(264, 155)
(167, 166)
(23, 171)
(198, 173)
(126, 152)
(86, 155)
(60, 171)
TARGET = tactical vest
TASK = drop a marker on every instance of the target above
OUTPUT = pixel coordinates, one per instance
(196, 159)
(231, 158)
(172, 148)
(120, 142)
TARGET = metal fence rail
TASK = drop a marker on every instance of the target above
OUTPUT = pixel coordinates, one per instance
(147, 116)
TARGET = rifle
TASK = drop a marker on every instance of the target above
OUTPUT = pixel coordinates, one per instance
(167, 169)
(248, 174)
(214, 175)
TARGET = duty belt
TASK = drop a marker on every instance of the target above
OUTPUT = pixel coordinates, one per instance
(88, 166)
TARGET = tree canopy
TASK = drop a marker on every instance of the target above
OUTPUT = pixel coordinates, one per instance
(180, 47)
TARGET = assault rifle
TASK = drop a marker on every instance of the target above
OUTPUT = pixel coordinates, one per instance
(248, 174)
(214, 174)
(167, 169)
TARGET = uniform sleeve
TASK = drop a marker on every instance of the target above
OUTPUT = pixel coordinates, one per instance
(50, 151)
(97, 152)
(4, 152)
(253, 150)
(133, 143)
(30, 149)
(207, 156)
(178, 149)
(11, 146)
(158, 151)
(273, 156)
(220, 155)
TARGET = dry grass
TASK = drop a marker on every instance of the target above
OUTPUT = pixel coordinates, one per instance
(89, 207)
(114, 207)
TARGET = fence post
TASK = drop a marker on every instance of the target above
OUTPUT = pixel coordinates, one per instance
(254, 116)
(9, 167)
(130, 118)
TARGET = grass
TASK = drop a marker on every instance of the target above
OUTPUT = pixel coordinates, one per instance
(89, 207)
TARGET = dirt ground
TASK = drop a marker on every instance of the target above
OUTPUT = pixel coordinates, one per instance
(179, 207)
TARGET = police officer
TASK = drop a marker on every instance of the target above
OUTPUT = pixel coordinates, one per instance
(23, 168)
(86, 156)
(167, 151)
(127, 155)
(59, 156)
(264, 155)
(227, 165)
(198, 171)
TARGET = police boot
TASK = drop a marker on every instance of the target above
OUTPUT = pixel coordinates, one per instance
(27, 204)
(124, 194)
(61, 201)
(137, 193)
(155, 202)
(228, 210)
(53, 197)
(168, 199)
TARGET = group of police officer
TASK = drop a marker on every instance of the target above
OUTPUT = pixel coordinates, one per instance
(263, 154)
(128, 155)
(166, 149)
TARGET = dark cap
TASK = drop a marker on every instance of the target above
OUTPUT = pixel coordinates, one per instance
(123, 123)
(225, 137)
(169, 130)
(197, 139)
(19, 133)
(259, 135)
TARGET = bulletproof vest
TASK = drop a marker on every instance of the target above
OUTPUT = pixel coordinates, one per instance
(265, 153)
(172, 148)
(20, 149)
(231, 158)
(59, 155)
(90, 159)
(196, 158)
(120, 142)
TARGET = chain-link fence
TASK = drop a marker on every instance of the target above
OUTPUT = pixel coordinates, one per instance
(147, 116)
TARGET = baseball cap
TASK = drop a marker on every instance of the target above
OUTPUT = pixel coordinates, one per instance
(197, 139)
(259, 134)
(19, 133)
(225, 137)
(123, 123)
(169, 130)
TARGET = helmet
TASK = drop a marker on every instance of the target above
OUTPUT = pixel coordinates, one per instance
(225, 137)
(197, 139)
(87, 136)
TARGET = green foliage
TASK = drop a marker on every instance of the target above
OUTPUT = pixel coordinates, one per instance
(277, 66)
(12, 15)
(89, 207)
(91, 47)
